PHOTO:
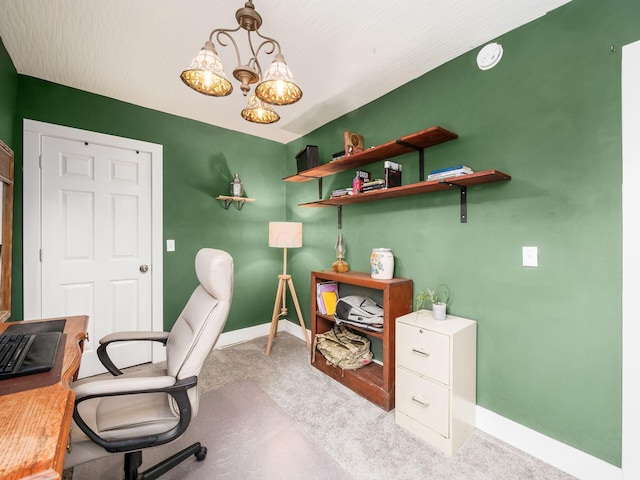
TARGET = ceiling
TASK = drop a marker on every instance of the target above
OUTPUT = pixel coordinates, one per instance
(342, 53)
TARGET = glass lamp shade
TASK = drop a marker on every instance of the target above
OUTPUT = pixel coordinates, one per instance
(206, 74)
(257, 111)
(341, 249)
(278, 87)
(340, 265)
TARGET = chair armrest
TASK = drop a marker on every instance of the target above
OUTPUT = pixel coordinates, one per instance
(131, 386)
(103, 356)
(122, 386)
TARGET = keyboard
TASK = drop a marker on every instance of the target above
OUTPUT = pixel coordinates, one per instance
(24, 354)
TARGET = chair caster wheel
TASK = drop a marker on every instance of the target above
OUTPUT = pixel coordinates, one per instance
(201, 454)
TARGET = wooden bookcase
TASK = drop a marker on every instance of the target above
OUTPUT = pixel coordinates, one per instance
(375, 382)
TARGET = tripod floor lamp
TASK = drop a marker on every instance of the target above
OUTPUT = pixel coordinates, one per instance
(285, 235)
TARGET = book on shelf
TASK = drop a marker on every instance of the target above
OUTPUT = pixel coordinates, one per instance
(341, 192)
(448, 169)
(330, 300)
(450, 173)
(323, 288)
(364, 175)
(374, 185)
(392, 174)
(337, 156)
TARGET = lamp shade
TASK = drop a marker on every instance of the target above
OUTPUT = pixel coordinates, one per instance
(257, 111)
(206, 75)
(285, 234)
(278, 87)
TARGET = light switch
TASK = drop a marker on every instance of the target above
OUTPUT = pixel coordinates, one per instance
(171, 245)
(529, 256)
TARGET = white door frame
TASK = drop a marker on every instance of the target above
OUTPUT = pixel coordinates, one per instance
(33, 131)
(630, 261)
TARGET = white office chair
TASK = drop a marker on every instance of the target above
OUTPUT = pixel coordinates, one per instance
(133, 411)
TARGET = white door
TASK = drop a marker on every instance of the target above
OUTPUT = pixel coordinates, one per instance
(96, 255)
(96, 241)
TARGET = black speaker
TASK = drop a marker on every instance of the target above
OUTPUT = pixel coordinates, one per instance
(307, 158)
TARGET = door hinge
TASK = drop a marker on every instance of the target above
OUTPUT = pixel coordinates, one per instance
(40, 255)
(40, 162)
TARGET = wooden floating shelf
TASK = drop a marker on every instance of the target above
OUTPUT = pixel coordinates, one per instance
(409, 143)
(239, 201)
(472, 179)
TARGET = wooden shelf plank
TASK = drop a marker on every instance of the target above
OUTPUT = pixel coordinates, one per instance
(478, 178)
(422, 139)
(363, 331)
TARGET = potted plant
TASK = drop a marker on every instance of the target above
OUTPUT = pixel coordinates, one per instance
(438, 298)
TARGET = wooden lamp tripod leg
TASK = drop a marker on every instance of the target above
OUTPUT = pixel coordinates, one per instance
(295, 302)
(283, 280)
(275, 316)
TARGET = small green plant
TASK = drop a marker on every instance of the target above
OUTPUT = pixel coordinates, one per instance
(440, 294)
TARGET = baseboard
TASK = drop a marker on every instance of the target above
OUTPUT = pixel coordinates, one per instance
(564, 457)
(245, 334)
(568, 459)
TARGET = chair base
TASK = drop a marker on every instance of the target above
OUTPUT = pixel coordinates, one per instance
(133, 460)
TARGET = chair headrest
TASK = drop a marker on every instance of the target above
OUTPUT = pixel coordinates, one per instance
(214, 269)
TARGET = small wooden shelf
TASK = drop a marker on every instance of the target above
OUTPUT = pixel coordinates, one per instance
(409, 143)
(472, 179)
(375, 382)
(239, 201)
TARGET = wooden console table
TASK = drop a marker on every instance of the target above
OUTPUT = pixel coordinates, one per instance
(36, 411)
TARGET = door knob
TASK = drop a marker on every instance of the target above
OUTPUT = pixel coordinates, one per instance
(144, 268)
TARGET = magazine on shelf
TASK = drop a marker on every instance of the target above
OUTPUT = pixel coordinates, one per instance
(326, 294)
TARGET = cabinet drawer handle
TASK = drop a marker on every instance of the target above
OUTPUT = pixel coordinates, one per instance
(424, 403)
(421, 352)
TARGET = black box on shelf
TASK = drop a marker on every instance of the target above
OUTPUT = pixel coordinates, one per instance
(307, 158)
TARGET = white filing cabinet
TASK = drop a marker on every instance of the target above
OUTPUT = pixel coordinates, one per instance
(436, 378)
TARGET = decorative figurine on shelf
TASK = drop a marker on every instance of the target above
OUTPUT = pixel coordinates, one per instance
(340, 265)
(236, 187)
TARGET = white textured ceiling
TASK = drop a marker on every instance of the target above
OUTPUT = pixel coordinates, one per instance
(343, 53)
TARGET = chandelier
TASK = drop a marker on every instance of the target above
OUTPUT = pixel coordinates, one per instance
(276, 87)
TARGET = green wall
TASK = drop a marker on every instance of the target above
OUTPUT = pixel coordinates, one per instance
(199, 163)
(8, 88)
(549, 338)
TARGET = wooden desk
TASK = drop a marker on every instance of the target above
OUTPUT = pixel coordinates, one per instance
(35, 422)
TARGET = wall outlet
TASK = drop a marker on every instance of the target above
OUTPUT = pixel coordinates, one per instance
(529, 256)
(171, 245)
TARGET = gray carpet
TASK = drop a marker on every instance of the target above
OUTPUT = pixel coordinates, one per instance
(359, 436)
